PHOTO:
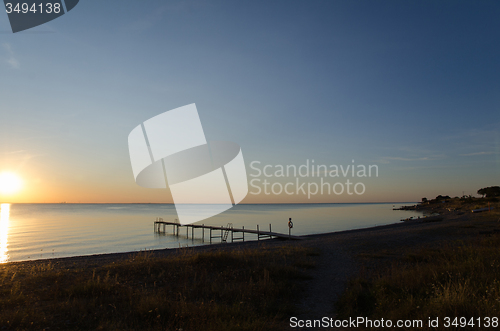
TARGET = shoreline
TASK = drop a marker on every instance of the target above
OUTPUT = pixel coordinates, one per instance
(174, 244)
(215, 246)
(336, 235)
(388, 235)
(100, 259)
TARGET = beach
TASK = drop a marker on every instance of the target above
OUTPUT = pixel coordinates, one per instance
(339, 256)
(47, 231)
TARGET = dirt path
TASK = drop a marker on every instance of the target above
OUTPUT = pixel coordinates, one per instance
(344, 253)
(333, 268)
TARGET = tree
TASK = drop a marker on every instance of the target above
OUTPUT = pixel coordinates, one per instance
(491, 191)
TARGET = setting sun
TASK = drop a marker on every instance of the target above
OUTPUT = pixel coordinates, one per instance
(10, 183)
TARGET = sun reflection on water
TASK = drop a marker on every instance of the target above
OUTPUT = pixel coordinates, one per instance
(4, 231)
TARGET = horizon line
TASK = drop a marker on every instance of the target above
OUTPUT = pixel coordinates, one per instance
(168, 203)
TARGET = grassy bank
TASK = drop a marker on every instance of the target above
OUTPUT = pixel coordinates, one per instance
(219, 290)
(454, 279)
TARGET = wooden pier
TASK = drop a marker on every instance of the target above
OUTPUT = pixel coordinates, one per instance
(216, 232)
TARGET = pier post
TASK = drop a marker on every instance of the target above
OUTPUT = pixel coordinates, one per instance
(243, 233)
(210, 235)
(258, 233)
(192, 232)
(203, 233)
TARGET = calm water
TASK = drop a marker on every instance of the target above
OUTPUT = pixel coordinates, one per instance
(42, 231)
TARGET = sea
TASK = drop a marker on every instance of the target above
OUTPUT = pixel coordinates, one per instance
(45, 231)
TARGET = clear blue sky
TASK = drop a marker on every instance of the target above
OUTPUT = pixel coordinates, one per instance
(412, 86)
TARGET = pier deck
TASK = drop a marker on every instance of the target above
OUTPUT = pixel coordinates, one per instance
(222, 232)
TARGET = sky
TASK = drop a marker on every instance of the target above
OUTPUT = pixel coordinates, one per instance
(411, 87)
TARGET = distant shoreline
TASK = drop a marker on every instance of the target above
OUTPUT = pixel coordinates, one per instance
(165, 203)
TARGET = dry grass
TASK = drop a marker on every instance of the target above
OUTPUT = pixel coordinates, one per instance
(220, 290)
(456, 279)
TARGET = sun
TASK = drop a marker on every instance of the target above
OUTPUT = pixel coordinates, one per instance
(10, 183)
